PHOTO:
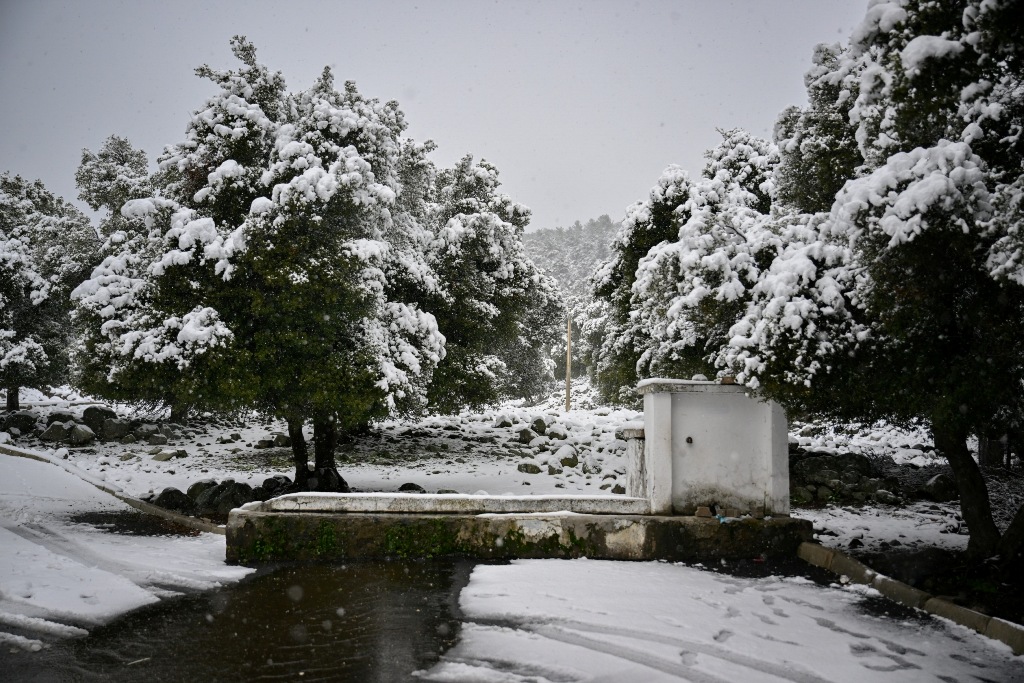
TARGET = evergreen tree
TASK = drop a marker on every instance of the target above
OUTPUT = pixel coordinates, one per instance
(682, 267)
(110, 177)
(295, 254)
(46, 248)
(614, 336)
(264, 271)
(817, 147)
(904, 300)
(570, 255)
(497, 312)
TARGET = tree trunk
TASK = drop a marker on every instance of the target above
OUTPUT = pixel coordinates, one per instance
(990, 451)
(300, 453)
(974, 503)
(325, 476)
(12, 398)
(179, 412)
(1012, 544)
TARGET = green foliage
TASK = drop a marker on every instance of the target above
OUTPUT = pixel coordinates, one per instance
(499, 315)
(46, 247)
(296, 254)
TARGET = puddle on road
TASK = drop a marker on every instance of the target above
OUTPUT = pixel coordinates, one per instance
(366, 621)
(133, 524)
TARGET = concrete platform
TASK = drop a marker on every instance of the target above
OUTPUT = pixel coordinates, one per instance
(445, 503)
(257, 536)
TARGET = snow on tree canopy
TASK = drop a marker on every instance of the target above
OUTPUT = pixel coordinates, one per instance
(46, 247)
(297, 253)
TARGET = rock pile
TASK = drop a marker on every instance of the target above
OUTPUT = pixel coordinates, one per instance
(95, 422)
(816, 477)
(211, 499)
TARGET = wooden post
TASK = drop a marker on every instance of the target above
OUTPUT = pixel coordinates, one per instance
(568, 363)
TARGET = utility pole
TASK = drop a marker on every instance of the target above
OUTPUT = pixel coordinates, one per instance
(568, 362)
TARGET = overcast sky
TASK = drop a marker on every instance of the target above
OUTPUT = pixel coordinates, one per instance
(579, 104)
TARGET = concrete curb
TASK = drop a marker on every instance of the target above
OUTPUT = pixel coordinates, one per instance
(839, 563)
(140, 505)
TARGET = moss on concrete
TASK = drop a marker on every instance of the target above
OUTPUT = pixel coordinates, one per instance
(255, 538)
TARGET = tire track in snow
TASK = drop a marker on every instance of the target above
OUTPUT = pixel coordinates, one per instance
(565, 630)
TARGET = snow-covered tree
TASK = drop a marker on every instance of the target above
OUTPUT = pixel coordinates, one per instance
(570, 255)
(903, 299)
(110, 177)
(296, 254)
(46, 248)
(683, 265)
(614, 336)
(817, 146)
(497, 312)
(689, 291)
(262, 271)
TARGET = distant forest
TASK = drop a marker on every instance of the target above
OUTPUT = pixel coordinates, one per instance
(571, 254)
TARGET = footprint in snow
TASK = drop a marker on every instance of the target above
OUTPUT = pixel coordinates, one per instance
(723, 635)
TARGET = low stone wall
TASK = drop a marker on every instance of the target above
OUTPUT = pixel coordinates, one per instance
(255, 538)
(839, 563)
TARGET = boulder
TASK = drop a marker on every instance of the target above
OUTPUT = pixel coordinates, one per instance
(165, 455)
(128, 439)
(529, 468)
(412, 488)
(264, 443)
(60, 416)
(115, 428)
(145, 431)
(886, 497)
(526, 435)
(94, 416)
(23, 420)
(539, 425)
(173, 499)
(801, 495)
(198, 487)
(219, 500)
(941, 488)
(79, 435)
(502, 421)
(282, 441)
(554, 468)
(557, 431)
(276, 485)
(58, 431)
(567, 456)
(157, 439)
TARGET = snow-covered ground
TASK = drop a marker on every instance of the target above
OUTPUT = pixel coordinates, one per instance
(586, 620)
(60, 576)
(537, 620)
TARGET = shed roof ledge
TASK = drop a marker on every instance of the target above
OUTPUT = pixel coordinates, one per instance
(656, 385)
